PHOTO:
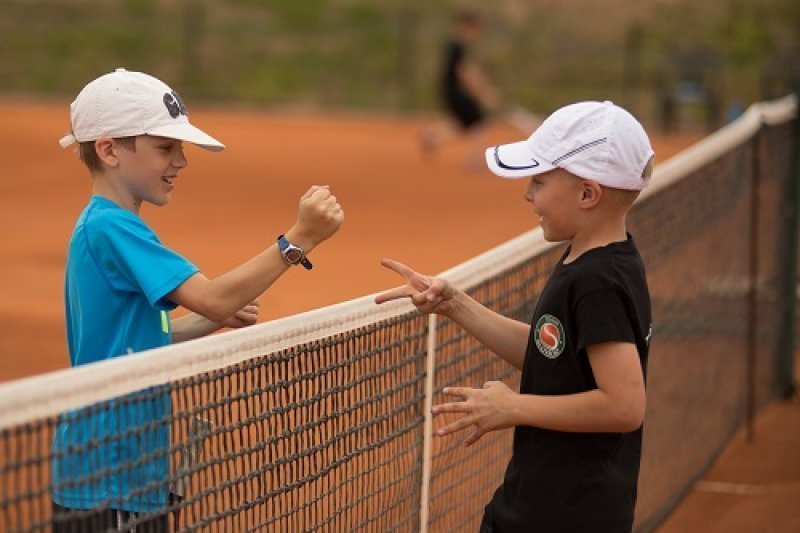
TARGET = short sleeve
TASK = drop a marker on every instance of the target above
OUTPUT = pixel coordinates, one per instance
(133, 259)
(602, 316)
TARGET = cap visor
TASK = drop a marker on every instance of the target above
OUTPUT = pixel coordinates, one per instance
(515, 160)
(187, 132)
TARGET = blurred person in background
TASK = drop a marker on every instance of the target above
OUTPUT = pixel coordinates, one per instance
(465, 93)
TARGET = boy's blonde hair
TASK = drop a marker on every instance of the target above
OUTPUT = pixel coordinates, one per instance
(624, 198)
(647, 173)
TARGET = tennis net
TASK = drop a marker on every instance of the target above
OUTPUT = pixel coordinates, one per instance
(320, 421)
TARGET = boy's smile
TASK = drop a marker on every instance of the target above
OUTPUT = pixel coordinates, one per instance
(554, 196)
(148, 173)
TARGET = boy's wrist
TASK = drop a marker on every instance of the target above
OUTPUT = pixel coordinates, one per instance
(514, 415)
(292, 254)
(296, 237)
(458, 305)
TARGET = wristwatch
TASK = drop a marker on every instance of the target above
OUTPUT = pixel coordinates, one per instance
(293, 254)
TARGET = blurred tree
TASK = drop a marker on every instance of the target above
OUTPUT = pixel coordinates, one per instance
(367, 54)
(742, 33)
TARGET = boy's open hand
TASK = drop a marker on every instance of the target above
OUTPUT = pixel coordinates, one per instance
(319, 216)
(429, 295)
(483, 410)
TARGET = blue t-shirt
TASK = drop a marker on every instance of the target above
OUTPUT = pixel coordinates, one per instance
(118, 274)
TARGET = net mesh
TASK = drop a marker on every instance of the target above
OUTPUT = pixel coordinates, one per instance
(321, 435)
(320, 421)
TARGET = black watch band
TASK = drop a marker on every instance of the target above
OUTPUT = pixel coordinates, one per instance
(293, 254)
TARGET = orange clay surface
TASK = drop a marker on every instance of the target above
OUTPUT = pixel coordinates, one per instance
(430, 212)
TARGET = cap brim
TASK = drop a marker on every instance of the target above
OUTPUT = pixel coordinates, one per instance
(187, 132)
(515, 160)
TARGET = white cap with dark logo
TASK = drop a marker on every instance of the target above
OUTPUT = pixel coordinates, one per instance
(597, 141)
(126, 104)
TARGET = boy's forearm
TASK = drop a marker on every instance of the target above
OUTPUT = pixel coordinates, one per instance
(592, 411)
(219, 298)
(192, 326)
(248, 281)
(319, 217)
(506, 337)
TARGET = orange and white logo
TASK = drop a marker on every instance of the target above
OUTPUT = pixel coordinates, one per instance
(549, 336)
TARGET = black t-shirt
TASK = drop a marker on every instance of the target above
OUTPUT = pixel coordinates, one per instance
(457, 99)
(455, 53)
(559, 481)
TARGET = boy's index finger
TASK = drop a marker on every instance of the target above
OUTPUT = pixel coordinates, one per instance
(309, 192)
(398, 267)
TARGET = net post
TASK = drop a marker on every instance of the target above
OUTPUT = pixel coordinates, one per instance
(788, 282)
(752, 297)
(427, 443)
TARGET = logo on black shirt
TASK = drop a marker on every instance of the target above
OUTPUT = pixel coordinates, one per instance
(549, 336)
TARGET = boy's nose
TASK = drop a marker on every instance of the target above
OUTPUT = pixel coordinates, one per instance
(180, 160)
(528, 195)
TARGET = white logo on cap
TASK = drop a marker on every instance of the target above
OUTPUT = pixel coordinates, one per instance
(175, 104)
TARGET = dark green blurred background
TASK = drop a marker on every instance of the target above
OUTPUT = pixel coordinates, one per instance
(705, 59)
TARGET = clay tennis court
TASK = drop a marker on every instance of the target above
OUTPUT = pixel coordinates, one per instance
(431, 213)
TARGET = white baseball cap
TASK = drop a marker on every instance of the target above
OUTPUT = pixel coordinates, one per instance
(125, 104)
(597, 141)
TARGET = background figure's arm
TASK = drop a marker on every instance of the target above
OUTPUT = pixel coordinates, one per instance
(480, 87)
(473, 78)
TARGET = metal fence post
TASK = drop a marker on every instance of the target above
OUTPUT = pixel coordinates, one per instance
(788, 283)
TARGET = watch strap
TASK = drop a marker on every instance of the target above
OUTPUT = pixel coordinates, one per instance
(284, 244)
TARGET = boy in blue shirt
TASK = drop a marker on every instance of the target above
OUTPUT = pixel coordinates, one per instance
(121, 283)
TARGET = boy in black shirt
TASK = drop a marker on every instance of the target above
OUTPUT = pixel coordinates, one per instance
(578, 415)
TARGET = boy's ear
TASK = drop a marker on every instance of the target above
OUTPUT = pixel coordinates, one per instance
(591, 192)
(105, 148)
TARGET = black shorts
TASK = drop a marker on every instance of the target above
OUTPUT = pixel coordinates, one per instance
(467, 112)
(67, 520)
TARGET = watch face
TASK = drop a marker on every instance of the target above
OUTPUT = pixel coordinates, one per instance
(293, 255)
